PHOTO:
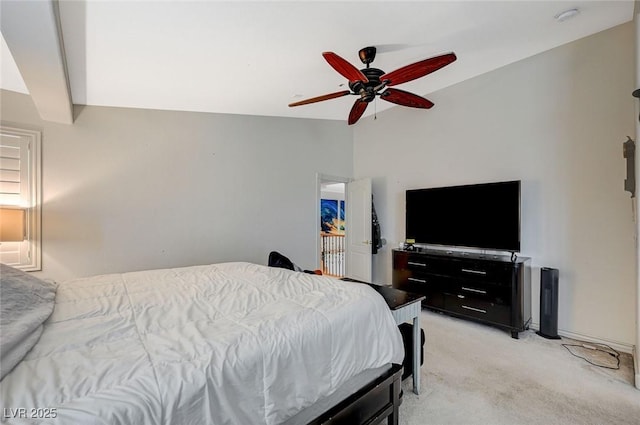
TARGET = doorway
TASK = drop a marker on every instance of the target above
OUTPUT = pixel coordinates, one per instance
(332, 225)
(344, 243)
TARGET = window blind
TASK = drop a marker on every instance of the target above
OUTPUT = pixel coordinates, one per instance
(20, 187)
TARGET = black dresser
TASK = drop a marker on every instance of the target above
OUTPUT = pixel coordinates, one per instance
(487, 288)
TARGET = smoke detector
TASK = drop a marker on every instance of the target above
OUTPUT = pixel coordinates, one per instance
(567, 14)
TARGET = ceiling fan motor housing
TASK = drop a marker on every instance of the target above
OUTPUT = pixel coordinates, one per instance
(367, 55)
(373, 75)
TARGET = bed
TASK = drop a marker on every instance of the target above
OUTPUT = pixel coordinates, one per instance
(230, 343)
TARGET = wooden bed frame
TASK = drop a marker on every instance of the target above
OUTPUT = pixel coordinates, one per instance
(372, 404)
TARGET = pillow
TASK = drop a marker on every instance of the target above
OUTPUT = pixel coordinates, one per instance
(25, 303)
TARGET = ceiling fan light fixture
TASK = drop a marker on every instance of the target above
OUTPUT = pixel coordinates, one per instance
(567, 14)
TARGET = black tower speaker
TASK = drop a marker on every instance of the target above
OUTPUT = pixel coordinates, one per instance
(548, 303)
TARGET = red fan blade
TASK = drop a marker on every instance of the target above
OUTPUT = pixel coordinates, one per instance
(418, 69)
(321, 98)
(405, 98)
(357, 110)
(345, 69)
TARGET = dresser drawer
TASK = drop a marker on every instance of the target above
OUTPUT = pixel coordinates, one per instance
(477, 309)
(425, 264)
(483, 271)
(498, 294)
(427, 285)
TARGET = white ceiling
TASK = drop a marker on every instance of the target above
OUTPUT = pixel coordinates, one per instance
(257, 57)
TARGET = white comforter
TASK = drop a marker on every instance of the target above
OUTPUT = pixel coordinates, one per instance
(231, 343)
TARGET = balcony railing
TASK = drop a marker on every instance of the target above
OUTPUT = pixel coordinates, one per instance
(332, 254)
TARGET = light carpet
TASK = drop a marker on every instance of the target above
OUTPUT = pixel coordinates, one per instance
(477, 374)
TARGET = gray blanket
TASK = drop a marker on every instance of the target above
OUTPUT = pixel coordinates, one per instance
(25, 303)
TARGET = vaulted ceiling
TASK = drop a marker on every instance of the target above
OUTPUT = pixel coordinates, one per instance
(256, 57)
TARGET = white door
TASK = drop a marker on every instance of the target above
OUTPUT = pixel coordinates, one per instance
(358, 235)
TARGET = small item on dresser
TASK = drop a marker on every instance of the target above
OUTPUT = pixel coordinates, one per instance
(408, 245)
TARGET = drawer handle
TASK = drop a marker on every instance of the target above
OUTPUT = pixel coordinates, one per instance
(475, 309)
(477, 291)
(412, 263)
(474, 271)
(413, 279)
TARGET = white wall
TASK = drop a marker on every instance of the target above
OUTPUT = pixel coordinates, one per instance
(132, 189)
(556, 121)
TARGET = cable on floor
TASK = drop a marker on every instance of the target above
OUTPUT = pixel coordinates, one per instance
(597, 347)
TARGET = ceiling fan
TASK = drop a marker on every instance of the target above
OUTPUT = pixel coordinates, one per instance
(371, 82)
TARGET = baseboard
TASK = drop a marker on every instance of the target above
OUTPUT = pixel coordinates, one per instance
(616, 345)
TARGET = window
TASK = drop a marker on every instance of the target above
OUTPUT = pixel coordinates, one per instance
(20, 187)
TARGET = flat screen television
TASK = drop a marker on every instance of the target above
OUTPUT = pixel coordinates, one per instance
(484, 216)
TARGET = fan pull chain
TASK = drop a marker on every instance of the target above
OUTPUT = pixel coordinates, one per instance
(375, 108)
